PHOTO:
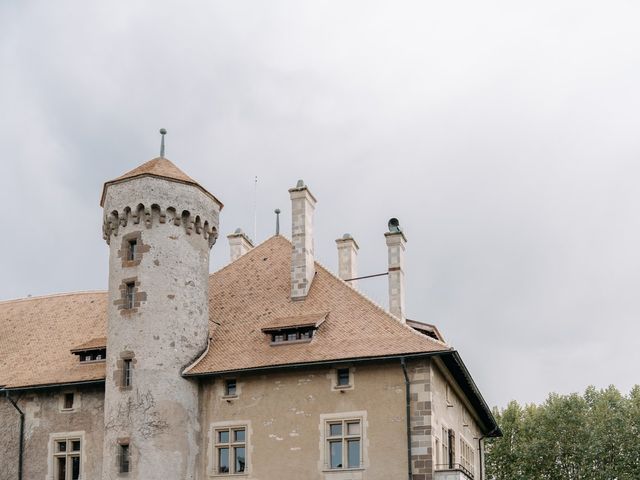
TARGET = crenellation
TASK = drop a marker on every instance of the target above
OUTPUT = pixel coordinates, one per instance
(156, 215)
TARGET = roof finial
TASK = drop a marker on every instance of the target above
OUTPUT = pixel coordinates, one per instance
(277, 212)
(163, 132)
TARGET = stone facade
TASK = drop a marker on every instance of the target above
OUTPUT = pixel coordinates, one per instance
(239, 244)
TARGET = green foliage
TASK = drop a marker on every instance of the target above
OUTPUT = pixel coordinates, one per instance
(595, 436)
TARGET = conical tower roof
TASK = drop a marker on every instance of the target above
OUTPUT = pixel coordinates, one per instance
(159, 167)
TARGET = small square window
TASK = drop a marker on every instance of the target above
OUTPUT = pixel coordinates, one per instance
(223, 436)
(238, 435)
(343, 377)
(230, 387)
(68, 401)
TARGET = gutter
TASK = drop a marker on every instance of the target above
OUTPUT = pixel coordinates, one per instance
(316, 364)
(21, 445)
(407, 392)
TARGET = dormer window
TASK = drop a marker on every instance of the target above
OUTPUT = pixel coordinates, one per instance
(92, 351)
(288, 330)
(292, 335)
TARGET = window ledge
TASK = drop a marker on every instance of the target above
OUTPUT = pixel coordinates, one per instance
(338, 470)
(230, 397)
(342, 387)
(224, 475)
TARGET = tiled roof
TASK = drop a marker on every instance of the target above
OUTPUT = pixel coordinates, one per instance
(252, 292)
(248, 295)
(158, 167)
(37, 335)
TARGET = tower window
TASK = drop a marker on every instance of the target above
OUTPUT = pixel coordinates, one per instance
(125, 458)
(132, 250)
(68, 401)
(126, 372)
(130, 295)
(230, 387)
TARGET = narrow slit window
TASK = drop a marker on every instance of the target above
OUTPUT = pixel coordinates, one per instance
(125, 458)
(132, 250)
(126, 372)
(130, 295)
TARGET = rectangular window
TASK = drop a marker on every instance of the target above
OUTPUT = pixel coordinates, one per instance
(292, 335)
(343, 377)
(230, 387)
(466, 456)
(125, 458)
(68, 401)
(66, 459)
(445, 446)
(231, 450)
(126, 372)
(344, 444)
(130, 295)
(131, 250)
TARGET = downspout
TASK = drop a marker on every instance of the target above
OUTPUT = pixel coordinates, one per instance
(408, 407)
(21, 446)
(481, 450)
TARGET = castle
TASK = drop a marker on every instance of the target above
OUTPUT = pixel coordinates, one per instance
(271, 368)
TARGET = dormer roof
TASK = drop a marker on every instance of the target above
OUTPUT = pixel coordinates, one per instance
(159, 167)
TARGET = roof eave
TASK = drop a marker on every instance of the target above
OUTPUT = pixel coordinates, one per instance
(316, 363)
(52, 385)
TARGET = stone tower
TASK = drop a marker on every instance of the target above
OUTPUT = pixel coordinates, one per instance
(160, 226)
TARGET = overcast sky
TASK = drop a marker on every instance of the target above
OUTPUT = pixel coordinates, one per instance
(503, 135)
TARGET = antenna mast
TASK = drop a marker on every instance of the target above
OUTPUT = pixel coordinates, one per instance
(255, 209)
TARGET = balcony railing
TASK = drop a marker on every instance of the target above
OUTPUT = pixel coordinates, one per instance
(454, 471)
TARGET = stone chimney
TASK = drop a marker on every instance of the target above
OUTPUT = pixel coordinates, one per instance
(239, 244)
(347, 258)
(396, 245)
(302, 264)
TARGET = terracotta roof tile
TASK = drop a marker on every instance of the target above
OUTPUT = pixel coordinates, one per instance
(38, 334)
(158, 167)
(311, 320)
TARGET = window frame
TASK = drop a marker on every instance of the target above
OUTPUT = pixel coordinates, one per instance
(129, 294)
(231, 445)
(132, 249)
(127, 372)
(68, 454)
(344, 419)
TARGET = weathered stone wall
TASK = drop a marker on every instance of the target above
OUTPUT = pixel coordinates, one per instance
(9, 438)
(167, 328)
(285, 413)
(44, 419)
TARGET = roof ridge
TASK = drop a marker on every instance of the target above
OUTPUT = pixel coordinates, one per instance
(51, 295)
(224, 267)
(379, 307)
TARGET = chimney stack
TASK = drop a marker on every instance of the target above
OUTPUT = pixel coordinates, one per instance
(302, 263)
(239, 244)
(396, 245)
(347, 258)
